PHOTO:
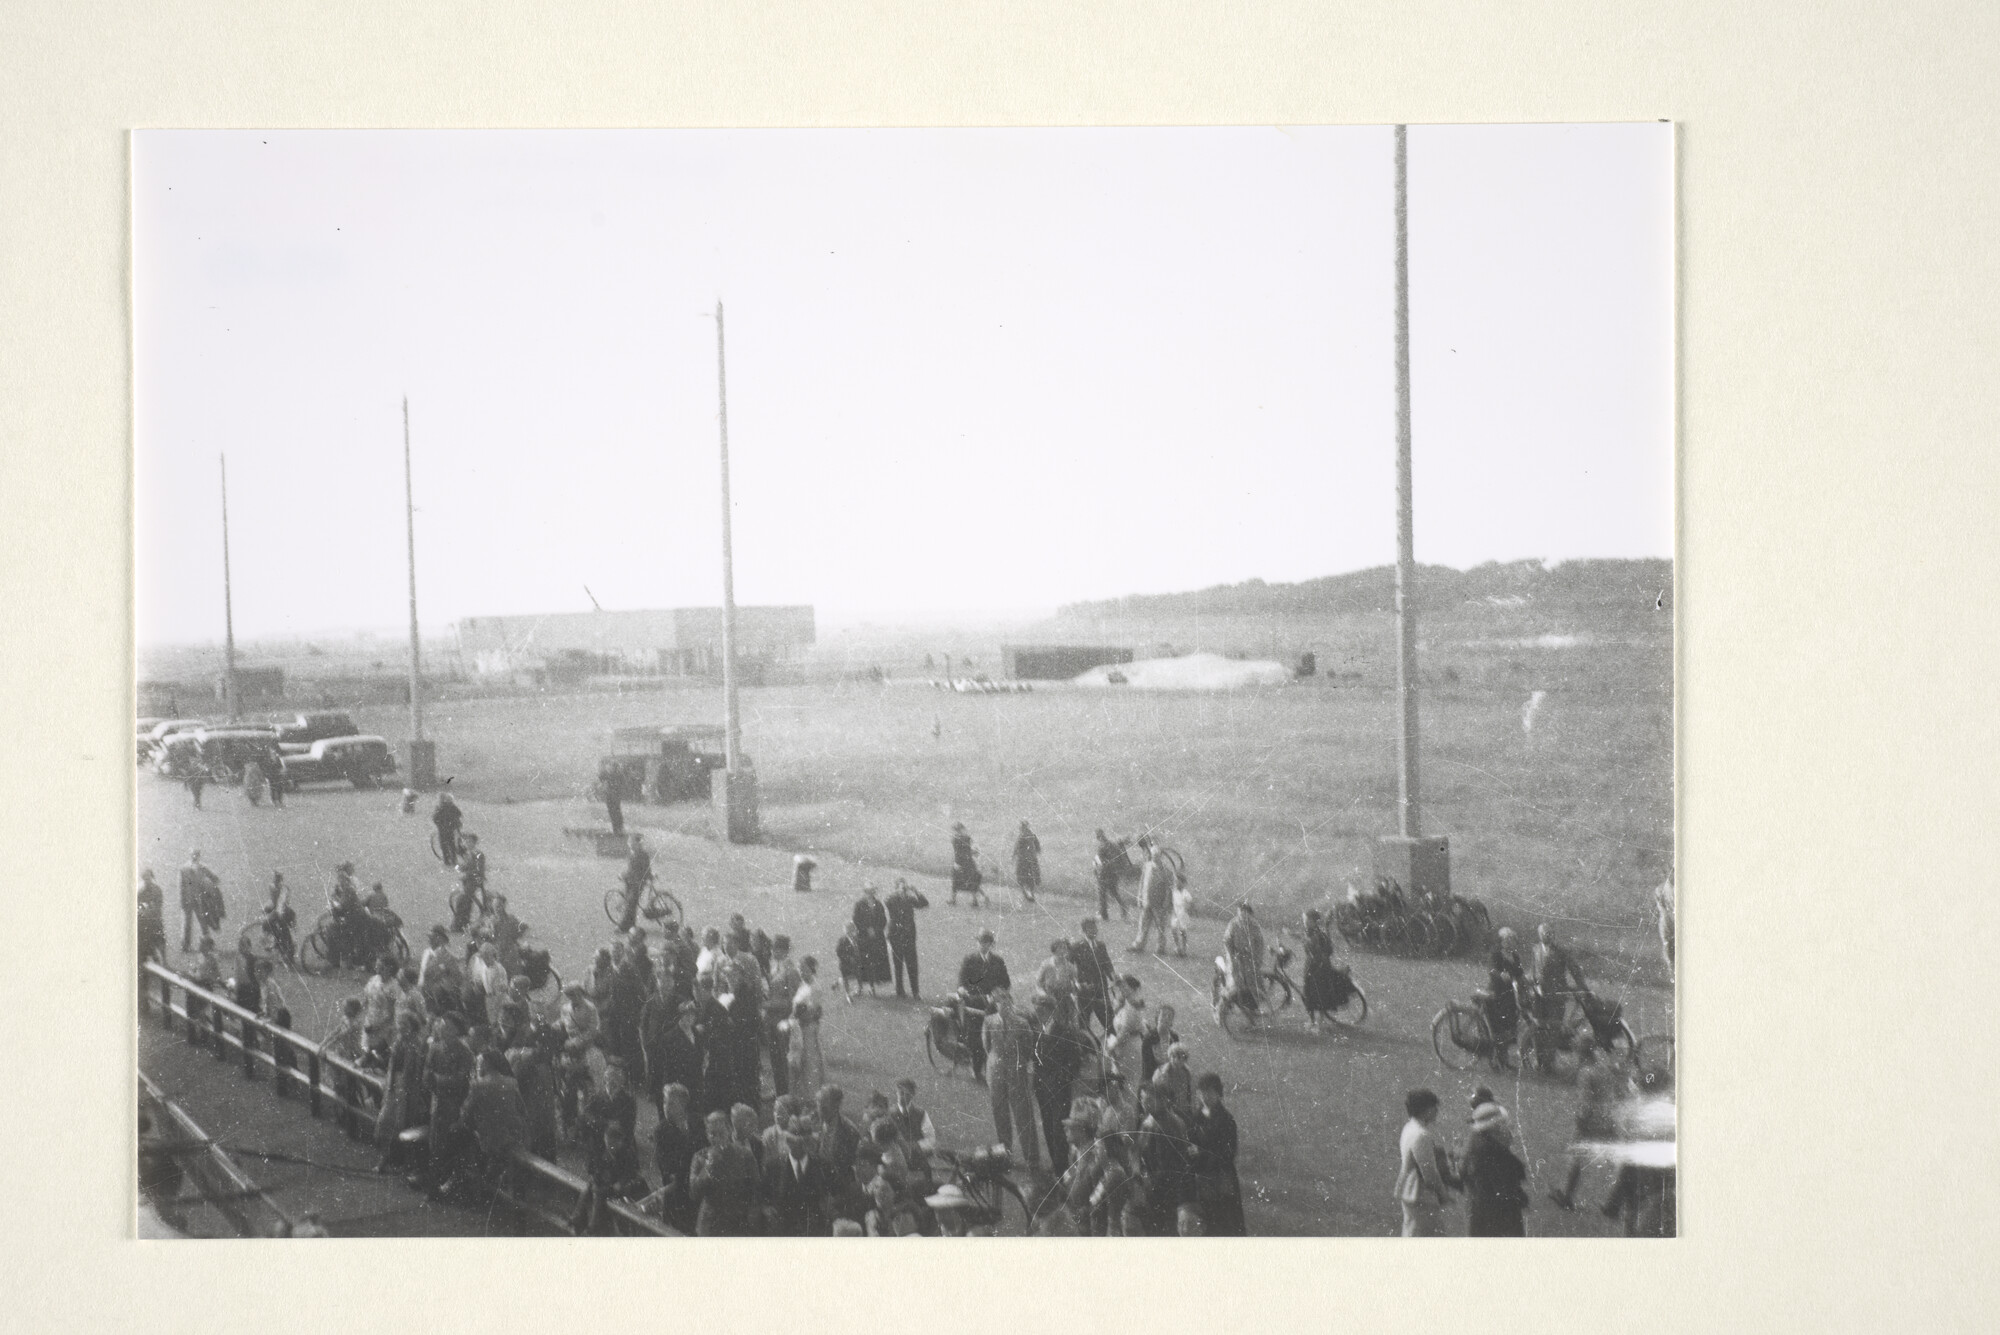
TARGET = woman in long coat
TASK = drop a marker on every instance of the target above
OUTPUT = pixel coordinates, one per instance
(1321, 984)
(1125, 1044)
(871, 924)
(1217, 1189)
(1493, 1175)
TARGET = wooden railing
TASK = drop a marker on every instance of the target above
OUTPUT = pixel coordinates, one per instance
(329, 1083)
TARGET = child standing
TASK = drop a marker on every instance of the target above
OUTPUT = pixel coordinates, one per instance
(1183, 906)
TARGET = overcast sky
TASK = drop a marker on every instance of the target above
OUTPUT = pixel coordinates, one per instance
(967, 369)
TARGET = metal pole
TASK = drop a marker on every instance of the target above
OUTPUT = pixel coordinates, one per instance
(1406, 544)
(229, 695)
(732, 736)
(410, 523)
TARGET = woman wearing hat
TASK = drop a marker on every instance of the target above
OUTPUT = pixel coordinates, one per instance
(1493, 1176)
(807, 1064)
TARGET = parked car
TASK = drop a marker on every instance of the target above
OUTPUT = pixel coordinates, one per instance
(362, 761)
(227, 751)
(176, 756)
(314, 726)
(151, 739)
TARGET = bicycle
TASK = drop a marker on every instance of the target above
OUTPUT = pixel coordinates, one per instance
(316, 951)
(985, 1176)
(1463, 1036)
(945, 1043)
(1227, 1002)
(1547, 1038)
(659, 906)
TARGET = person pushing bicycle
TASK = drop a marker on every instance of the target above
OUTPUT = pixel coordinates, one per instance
(638, 874)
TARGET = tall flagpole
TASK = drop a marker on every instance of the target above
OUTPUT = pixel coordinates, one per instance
(410, 527)
(1406, 545)
(229, 694)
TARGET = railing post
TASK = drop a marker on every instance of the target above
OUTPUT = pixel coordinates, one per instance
(250, 1028)
(312, 1074)
(221, 1033)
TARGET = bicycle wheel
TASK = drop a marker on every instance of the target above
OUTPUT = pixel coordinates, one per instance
(1394, 935)
(1230, 1017)
(942, 1062)
(1444, 936)
(1417, 934)
(614, 904)
(1458, 1036)
(1359, 1002)
(313, 954)
(1015, 1219)
(662, 906)
(437, 849)
(399, 947)
(1279, 990)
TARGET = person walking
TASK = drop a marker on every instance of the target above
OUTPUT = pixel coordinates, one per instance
(1243, 944)
(1028, 863)
(1493, 1176)
(1602, 1089)
(1156, 897)
(1010, 1046)
(871, 923)
(807, 1062)
(1423, 1173)
(1108, 865)
(1217, 1189)
(152, 919)
(1320, 983)
(1094, 976)
(194, 888)
(471, 882)
(902, 906)
(448, 819)
(197, 780)
(965, 877)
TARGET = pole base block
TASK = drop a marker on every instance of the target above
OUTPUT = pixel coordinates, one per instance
(734, 794)
(1419, 866)
(420, 764)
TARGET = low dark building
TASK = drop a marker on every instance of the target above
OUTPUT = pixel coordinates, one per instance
(1057, 662)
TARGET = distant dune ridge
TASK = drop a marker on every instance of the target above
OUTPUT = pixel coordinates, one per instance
(1578, 587)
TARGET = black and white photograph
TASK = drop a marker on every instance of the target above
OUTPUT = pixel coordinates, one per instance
(923, 682)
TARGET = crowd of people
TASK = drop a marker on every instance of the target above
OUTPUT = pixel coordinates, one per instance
(1091, 1091)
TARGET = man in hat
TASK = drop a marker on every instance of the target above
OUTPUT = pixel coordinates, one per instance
(1213, 1133)
(965, 878)
(1028, 862)
(958, 1215)
(448, 1075)
(902, 905)
(1505, 980)
(978, 975)
(783, 986)
(724, 1184)
(1009, 1041)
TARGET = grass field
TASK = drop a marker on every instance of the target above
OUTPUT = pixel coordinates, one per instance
(1275, 794)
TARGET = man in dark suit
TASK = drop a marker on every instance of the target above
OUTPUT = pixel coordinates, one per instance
(978, 975)
(796, 1187)
(902, 907)
(1093, 976)
(839, 1138)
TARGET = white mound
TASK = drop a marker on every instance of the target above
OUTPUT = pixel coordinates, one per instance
(1193, 672)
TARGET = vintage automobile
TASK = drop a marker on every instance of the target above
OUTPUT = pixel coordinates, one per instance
(176, 756)
(227, 751)
(360, 760)
(151, 739)
(303, 729)
(655, 764)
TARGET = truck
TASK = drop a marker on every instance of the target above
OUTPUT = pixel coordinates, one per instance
(661, 764)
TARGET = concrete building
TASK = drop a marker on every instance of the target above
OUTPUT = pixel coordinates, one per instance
(681, 641)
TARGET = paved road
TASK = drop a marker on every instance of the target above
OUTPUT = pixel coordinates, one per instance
(1319, 1114)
